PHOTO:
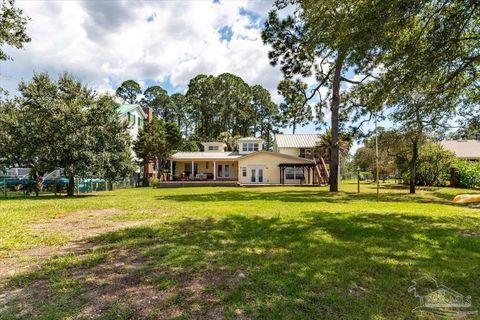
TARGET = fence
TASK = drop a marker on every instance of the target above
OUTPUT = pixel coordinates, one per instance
(21, 187)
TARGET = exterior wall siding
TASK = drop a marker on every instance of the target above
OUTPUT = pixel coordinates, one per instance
(290, 151)
(271, 169)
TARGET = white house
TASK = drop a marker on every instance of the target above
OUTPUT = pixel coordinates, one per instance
(134, 115)
(250, 165)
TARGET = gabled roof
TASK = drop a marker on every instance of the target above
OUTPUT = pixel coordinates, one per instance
(463, 149)
(296, 140)
(278, 154)
(124, 108)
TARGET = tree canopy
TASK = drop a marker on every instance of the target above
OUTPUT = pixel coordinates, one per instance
(128, 91)
(62, 124)
(13, 25)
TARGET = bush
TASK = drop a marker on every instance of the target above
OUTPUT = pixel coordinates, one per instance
(468, 174)
(434, 163)
(153, 181)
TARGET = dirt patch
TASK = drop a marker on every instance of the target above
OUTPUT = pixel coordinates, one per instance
(77, 227)
(471, 234)
(125, 282)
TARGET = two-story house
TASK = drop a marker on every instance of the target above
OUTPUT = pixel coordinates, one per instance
(136, 117)
(249, 165)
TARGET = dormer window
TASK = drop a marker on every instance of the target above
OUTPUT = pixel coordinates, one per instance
(249, 144)
(212, 148)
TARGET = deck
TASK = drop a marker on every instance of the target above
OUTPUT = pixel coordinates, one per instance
(204, 183)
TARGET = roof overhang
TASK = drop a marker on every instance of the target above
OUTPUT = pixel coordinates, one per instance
(278, 154)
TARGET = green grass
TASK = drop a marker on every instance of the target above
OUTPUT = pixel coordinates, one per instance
(260, 253)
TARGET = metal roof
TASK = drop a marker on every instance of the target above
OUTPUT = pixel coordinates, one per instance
(205, 156)
(124, 108)
(250, 139)
(463, 149)
(296, 140)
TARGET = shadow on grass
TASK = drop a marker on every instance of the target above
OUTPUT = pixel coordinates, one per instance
(46, 197)
(325, 266)
(308, 196)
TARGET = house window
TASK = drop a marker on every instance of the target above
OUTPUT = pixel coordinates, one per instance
(133, 117)
(306, 153)
(244, 171)
(210, 148)
(255, 147)
(139, 122)
(250, 147)
(245, 147)
(129, 116)
(294, 173)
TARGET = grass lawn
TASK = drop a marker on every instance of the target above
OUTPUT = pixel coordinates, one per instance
(234, 253)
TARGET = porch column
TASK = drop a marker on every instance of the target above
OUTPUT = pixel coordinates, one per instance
(193, 170)
(171, 169)
(214, 170)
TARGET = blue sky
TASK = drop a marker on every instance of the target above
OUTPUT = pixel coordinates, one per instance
(154, 42)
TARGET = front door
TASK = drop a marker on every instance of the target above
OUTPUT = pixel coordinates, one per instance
(223, 171)
(227, 170)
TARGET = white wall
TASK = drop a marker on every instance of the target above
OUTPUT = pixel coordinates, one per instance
(133, 127)
(270, 161)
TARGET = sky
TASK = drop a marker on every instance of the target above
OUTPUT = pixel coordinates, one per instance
(169, 42)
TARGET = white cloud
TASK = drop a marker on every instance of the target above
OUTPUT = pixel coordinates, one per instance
(106, 42)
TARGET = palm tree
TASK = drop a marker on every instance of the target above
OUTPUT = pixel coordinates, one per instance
(324, 144)
(229, 139)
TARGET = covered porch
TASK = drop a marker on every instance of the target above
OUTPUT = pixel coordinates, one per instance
(203, 170)
(298, 173)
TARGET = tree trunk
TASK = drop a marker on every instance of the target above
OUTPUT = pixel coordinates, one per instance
(38, 183)
(413, 167)
(294, 126)
(334, 107)
(71, 186)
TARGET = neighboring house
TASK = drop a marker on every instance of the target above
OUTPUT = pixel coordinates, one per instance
(463, 149)
(249, 165)
(136, 117)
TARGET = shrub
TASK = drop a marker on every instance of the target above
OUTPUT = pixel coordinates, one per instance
(434, 163)
(468, 174)
(153, 181)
